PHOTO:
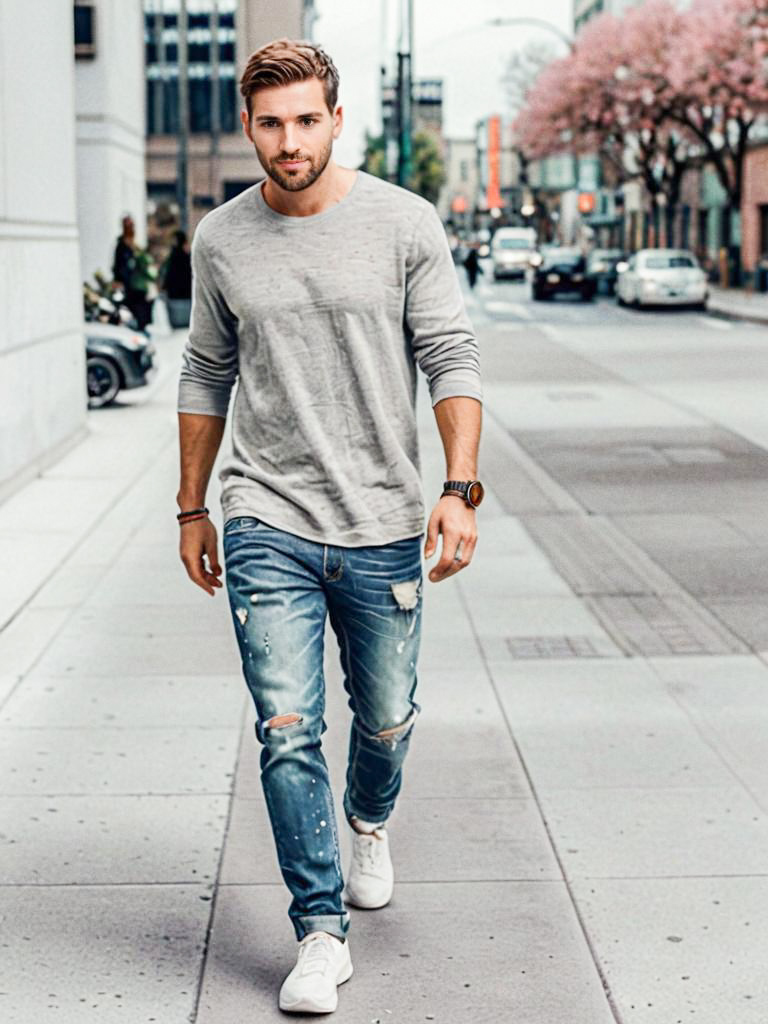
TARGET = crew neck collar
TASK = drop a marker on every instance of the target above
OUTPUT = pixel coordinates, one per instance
(292, 221)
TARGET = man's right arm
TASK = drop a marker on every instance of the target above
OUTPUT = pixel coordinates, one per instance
(208, 374)
(199, 440)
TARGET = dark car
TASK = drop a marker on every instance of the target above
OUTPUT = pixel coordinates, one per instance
(601, 268)
(561, 270)
(117, 358)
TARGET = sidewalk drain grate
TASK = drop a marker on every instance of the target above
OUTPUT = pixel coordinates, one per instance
(552, 647)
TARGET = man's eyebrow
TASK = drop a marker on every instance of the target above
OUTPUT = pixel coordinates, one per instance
(273, 117)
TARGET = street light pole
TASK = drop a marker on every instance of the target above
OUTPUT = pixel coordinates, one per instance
(182, 152)
(213, 164)
(405, 93)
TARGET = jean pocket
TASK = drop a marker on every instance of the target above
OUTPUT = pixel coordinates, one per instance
(240, 524)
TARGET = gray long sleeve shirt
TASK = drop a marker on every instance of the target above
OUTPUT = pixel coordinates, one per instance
(322, 320)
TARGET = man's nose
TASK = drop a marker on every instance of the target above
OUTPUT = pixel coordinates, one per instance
(290, 140)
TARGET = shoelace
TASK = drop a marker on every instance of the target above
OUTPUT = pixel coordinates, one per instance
(316, 955)
(367, 851)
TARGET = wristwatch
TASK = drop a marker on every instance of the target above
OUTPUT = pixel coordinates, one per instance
(472, 491)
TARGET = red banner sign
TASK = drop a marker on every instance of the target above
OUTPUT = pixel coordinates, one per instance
(493, 192)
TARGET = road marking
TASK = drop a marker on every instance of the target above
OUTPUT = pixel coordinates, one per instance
(507, 325)
(714, 324)
(551, 332)
(517, 308)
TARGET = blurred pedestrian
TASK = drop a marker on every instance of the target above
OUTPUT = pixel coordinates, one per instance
(472, 266)
(177, 281)
(133, 269)
(320, 290)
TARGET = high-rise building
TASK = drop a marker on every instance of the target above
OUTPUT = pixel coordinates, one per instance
(426, 108)
(221, 35)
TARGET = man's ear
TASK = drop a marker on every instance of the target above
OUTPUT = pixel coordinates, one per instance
(245, 120)
(338, 122)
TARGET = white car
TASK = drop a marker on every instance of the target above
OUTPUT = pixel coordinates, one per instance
(662, 277)
(511, 251)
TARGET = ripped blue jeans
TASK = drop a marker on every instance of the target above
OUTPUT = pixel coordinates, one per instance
(280, 590)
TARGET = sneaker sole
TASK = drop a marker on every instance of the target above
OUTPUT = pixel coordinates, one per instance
(362, 905)
(314, 1006)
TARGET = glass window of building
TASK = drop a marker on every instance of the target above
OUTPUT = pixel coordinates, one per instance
(204, 58)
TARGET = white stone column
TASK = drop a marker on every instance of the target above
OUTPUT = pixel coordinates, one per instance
(42, 356)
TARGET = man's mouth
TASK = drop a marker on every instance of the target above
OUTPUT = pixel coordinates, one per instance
(290, 164)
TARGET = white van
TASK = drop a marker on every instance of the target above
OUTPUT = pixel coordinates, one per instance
(511, 251)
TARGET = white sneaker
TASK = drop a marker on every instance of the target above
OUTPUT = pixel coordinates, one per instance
(371, 877)
(323, 963)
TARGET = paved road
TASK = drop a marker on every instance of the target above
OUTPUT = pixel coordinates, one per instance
(583, 836)
(655, 424)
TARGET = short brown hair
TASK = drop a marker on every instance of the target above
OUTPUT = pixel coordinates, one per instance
(289, 60)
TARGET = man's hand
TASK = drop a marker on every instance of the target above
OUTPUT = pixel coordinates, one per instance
(198, 539)
(455, 520)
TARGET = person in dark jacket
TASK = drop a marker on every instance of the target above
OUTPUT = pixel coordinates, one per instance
(177, 276)
(129, 269)
(472, 266)
(177, 281)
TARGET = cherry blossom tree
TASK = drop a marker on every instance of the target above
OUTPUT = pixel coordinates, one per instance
(718, 82)
(657, 92)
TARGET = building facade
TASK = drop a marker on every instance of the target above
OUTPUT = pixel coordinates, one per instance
(110, 125)
(754, 216)
(42, 357)
(221, 36)
(459, 194)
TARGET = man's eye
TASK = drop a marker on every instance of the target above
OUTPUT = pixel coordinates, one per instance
(268, 124)
(307, 121)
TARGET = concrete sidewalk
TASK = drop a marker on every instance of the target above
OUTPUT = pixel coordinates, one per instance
(739, 304)
(578, 841)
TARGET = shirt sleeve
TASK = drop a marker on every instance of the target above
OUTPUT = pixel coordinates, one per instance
(209, 362)
(436, 320)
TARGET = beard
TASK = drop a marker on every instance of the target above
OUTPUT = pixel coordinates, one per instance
(296, 181)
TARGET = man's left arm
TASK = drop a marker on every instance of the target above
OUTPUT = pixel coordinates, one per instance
(445, 348)
(459, 420)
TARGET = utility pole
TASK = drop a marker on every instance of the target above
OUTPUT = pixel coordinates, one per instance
(405, 92)
(182, 152)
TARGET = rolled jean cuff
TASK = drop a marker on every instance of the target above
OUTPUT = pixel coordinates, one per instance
(334, 924)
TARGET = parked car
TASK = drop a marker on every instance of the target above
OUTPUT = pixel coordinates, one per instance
(559, 269)
(117, 358)
(511, 251)
(601, 268)
(662, 277)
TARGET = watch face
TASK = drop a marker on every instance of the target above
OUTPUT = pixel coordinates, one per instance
(476, 493)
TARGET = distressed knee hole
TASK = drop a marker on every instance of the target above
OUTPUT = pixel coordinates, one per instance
(281, 721)
(394, 733)
(242, 615)
(406, 594)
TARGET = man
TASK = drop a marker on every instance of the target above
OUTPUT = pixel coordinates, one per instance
(320, 289)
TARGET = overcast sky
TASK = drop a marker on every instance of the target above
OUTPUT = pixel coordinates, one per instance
(451, 41)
